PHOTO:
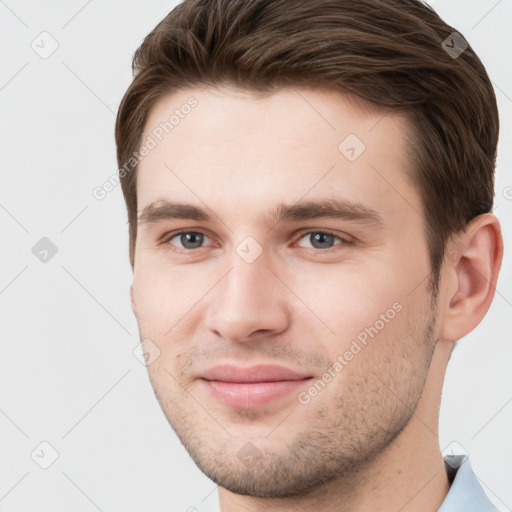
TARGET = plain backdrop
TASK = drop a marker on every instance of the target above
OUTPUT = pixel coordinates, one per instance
(73, 395)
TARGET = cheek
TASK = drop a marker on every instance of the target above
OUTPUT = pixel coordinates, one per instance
(157, 300)
(163, 378)
(171, 306)
(350, 298)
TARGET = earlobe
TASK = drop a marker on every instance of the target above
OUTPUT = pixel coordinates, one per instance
(479, 251)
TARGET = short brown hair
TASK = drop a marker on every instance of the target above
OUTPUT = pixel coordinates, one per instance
(392, 53)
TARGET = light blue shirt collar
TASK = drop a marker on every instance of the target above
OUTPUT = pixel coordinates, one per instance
(465, 494)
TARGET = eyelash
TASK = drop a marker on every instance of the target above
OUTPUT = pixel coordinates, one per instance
(344, 240)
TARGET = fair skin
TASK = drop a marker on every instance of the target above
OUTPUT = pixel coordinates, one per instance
(368, 440)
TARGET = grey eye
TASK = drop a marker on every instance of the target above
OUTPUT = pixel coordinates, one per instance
(190, 239)
(321, 240)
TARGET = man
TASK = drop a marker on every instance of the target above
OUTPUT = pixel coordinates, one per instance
(309, 188)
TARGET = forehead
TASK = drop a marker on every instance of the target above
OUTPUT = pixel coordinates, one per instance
(309, 114)
(221, 143)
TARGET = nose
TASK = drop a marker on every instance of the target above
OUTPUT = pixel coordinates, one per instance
(248, 303)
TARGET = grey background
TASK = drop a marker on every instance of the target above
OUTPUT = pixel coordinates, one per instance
(68, 374)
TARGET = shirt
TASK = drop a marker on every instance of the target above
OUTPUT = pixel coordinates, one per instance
(465, 494)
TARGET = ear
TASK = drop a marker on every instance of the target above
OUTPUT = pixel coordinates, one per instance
(132, 299)
(473, 263)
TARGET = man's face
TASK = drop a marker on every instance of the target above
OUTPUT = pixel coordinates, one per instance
(340, 301)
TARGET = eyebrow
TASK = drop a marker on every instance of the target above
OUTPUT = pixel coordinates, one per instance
(341, 209)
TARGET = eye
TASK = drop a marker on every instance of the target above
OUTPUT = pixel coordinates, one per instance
(188, 239)
(323, 239)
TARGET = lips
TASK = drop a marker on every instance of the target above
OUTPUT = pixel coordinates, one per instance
(253, 386)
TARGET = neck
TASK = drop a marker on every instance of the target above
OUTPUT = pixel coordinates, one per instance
(408, 476)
